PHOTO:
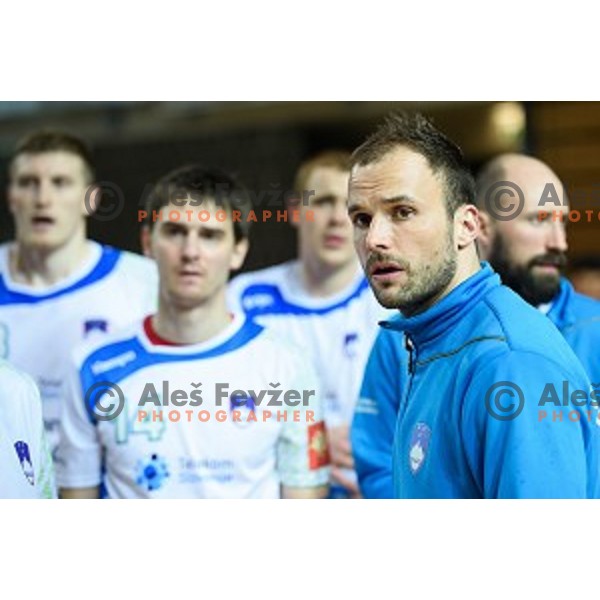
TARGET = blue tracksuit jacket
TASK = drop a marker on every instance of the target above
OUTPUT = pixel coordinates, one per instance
(447, 442)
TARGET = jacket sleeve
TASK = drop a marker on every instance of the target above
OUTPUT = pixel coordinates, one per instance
(522, 440)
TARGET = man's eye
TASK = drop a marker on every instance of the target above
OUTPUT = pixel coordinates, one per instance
(210, 234)
(360, 220)
(403, 212)
(25, 182)
(173, 231)
(318, 202)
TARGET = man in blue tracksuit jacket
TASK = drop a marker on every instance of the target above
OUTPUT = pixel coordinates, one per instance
(480, 391)
(576, 316)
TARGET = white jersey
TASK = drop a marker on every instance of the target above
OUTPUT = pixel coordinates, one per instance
(336, 333)
(39, 328)
(205, 420)
(26, 465)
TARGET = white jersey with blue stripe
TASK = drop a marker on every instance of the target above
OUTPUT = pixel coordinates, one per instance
(24, 455)
(193, 420)
(336, 332)
(39, 328)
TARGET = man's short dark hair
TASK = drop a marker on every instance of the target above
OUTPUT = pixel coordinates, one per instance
(55, 140)
(416, 132)
(201, 184)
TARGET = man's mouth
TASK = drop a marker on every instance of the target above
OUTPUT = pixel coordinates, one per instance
(550, 263)
(334, 241)
(385, 271)
(42, 221)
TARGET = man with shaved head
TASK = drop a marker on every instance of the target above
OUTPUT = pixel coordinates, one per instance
(529, 251)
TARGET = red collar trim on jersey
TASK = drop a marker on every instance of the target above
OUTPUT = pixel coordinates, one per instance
(154, 338)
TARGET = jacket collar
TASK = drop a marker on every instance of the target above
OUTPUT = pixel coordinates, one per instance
(445, 315)
(560, 313)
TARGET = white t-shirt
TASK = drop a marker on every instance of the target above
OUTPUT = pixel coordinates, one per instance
(26, 467)
(39, 328)
(206, 453)
(336, 333)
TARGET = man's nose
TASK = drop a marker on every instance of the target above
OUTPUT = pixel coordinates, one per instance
(191, 247)
(557, 237)
(43, 194)
(380, 234)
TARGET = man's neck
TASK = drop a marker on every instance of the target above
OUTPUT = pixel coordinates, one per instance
(322, 281)
(40, 267)
(191, 325)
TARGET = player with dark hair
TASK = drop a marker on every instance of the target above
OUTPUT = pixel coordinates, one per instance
(58, 287)
(481, 360)
(214, 434)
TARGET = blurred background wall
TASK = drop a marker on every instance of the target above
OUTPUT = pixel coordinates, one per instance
(263, 142)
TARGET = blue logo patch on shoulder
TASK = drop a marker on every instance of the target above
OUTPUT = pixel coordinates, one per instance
(95, 325)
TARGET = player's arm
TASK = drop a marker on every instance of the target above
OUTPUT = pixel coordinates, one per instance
(90, 493)
(79, 464)
(515, 446)
(302, 453)
(374, 423)
(297, 493)
(44, 479)
(340, 453)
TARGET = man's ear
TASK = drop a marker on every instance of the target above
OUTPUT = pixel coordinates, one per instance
(467, 223)
(146, 241)
(240, 251)
(93, 197)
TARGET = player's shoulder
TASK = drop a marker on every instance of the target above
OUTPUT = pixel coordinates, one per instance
(274, 276)
(523, 327)
(107, 345)
(274, 348)
(15, 384)
(504, 333)
(133, 259)
(131, 263)
(273, 340)
(585, 307)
